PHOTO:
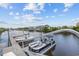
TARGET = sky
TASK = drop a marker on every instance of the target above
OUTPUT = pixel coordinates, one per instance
(35, 14)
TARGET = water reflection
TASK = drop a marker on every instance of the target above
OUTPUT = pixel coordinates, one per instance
(66, 45)
(4, 39)
(4, 36)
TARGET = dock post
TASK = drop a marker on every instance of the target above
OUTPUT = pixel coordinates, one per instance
(9, 43)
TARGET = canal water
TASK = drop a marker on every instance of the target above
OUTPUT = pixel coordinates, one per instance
(3, 41)
(66, 45)
(4, 37)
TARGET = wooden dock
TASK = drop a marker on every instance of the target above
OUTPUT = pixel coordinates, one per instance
(24, 51)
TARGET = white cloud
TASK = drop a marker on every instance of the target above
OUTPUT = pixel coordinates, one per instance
(49, 4)
(4, 5)
(47, 16)
(66, 9)
(50, 16)
(34, 7)
(67, 6)
(61, 15)
(75, 21)
(55, 10)
(2, 22)
(16, 17)
(41, 6)
(30, 6)
(10, 7)
(53, 16)
(31, 18)
(37, 12)
(17, 13)
(11, 13)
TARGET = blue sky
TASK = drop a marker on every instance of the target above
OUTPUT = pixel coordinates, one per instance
(35, 14)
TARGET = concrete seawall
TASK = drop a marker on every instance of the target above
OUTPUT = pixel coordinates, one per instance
(63, 30)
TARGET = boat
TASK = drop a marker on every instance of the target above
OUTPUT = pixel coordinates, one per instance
(39, 45)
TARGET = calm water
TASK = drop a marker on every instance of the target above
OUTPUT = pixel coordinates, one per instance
(3, 41)
(66, 45)
(4, 36)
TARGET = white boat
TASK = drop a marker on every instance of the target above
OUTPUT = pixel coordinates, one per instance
(39, 45)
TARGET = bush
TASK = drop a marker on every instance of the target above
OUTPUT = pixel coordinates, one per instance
(76, 28)
(2, 30)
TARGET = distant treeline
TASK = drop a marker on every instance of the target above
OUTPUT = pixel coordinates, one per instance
(48, 28)
(44, 28)
(2, 30)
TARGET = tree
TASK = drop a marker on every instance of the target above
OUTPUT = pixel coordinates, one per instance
(45, 29)
(54, 28)
(1, 31)
(65, 27)
(76, 28)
